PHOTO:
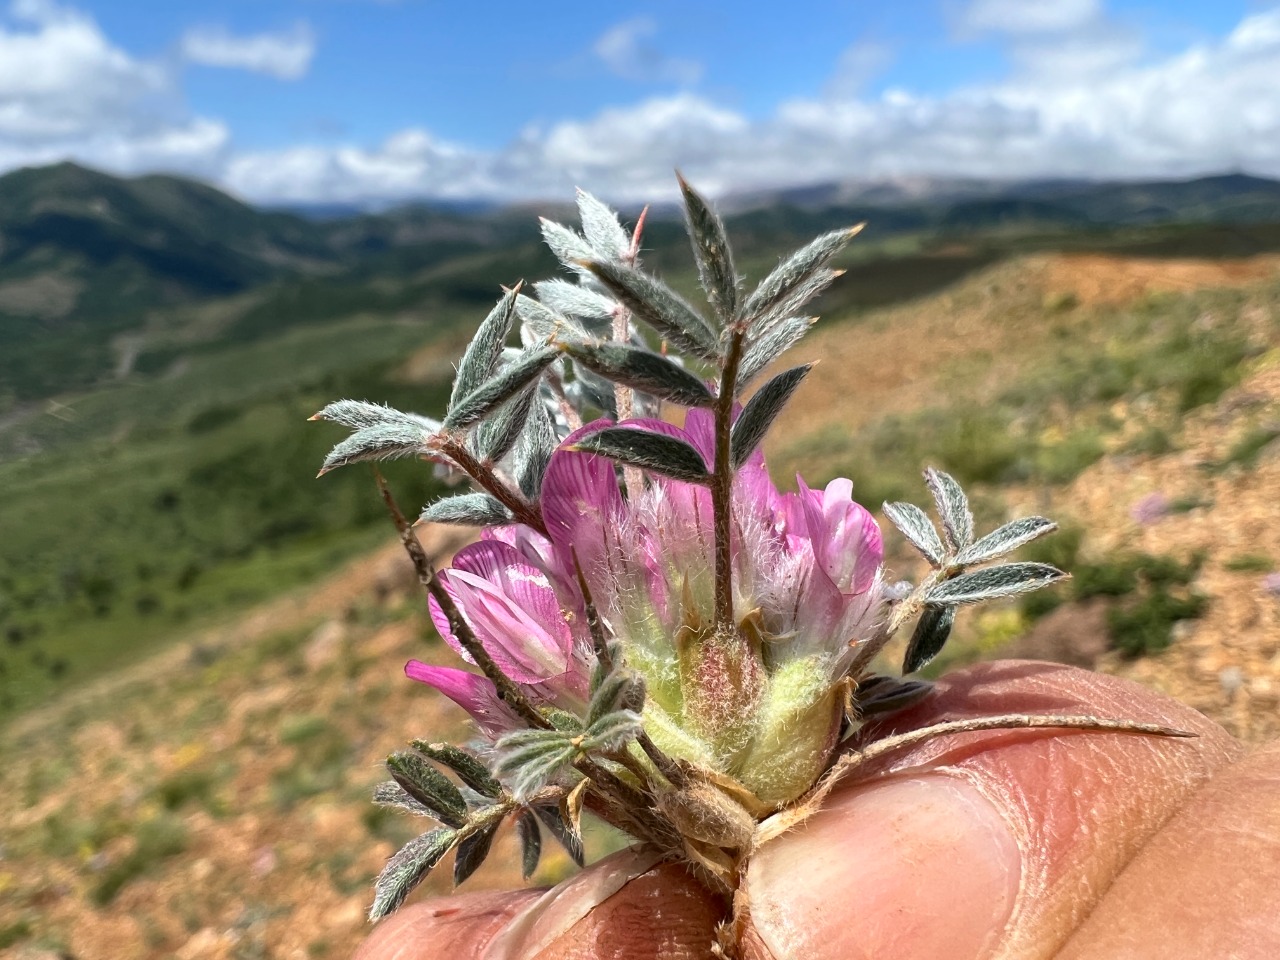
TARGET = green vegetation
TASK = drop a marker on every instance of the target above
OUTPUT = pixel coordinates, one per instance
(1055, 421)
(323, 755)
(111, 547)
(14, 932)
(1250, 563)
(155, 840)
(1154, 441)
(1247, 449)
(1148, 594)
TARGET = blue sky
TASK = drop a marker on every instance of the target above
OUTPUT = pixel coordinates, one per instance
(379, 100)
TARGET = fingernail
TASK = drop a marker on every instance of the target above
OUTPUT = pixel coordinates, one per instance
(923, 867)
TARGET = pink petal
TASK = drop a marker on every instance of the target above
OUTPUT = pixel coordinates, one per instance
(581, 505)
(474, 694)
(523, 648)
(526, 584)
(845, 537)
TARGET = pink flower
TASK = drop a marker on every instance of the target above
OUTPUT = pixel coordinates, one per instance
(1150, 509)
(807, 589)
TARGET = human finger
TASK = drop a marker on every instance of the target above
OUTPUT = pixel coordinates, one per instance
(983, 845)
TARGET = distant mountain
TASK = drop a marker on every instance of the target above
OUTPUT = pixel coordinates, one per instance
(101, 276)
(85, 256)
(1230, 198)
(87, 259)
(179, 229)
(974, 203)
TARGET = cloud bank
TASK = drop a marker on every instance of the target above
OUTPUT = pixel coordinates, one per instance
(1083, 98)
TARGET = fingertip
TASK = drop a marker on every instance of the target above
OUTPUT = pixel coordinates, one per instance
(458, 927)
(916, 867)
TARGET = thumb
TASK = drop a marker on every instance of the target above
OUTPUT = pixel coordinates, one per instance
(982, 845)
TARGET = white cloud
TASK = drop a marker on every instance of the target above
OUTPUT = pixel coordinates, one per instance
(1213, 107)
(1029, 16)
(285, 55)
(410, 163)
(628, 51)
(66, 90)
(859, 64)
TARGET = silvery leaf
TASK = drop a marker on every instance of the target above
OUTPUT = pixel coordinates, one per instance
(761, 410)
(492, 394)
(1006, 539)
(601, 228)
(408, 868)
(769, 345)
(568, 837)
(481, 357)
(712, 253)
(919, 529)
(468, 768)
(496, 437)
(359, 414)
(386, 441)
(569, 248)
(657, 452)
(529, 759)
(543, 322)
(613, 691)
(468, 510)
(534, 449)
(796, 298)
(794, 271)
(574, 300)
(930, 636)
(391, 794)
(656, 305)
(642, 369)
(991, 583)
(472, 852)
(613, 731)
(953, 508)
(530, 843)
(429, 787)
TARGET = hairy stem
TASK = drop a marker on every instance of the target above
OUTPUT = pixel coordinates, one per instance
(566, 408)
(666, 766)
(629, 803)
(599, 641)
(484, 476)
(508, 692)
(722, 486)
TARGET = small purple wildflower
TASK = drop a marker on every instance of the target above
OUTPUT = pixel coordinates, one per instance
(1150, 509)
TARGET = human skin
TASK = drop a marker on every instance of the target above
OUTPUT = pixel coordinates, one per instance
(1023, 844)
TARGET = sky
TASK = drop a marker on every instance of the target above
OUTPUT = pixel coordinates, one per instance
(376, 101)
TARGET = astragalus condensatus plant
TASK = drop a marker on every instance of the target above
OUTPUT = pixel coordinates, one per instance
(655, 634)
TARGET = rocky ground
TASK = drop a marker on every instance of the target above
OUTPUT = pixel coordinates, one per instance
(212, 802)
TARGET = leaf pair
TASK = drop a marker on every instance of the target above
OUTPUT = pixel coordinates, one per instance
(532, 759)
(381, 433)
(953, 551)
